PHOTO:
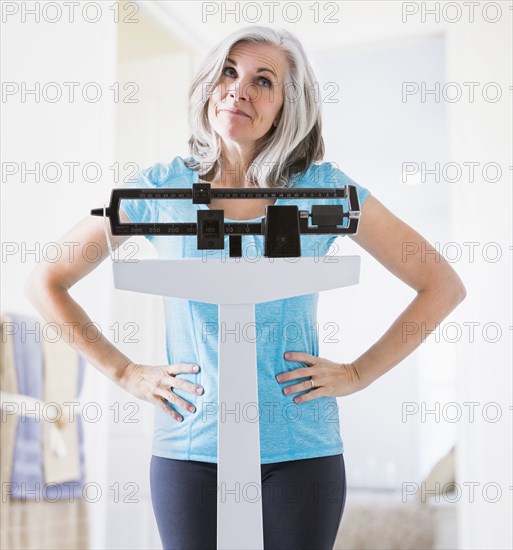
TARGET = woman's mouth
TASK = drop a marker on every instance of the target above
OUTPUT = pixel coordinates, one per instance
(234, 113)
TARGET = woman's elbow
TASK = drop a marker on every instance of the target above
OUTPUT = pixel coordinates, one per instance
(462, 292)
(456, 294)
(451, 284)
(453, 290)
(449, 289)
(458, 290)
(36, 285)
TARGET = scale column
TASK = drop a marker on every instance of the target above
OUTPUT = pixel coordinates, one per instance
(239, 497)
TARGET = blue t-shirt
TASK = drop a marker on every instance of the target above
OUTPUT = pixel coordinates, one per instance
(288, 431)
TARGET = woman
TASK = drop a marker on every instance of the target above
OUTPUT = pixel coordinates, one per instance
(255, 123)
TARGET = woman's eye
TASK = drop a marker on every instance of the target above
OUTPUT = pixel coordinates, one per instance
(267, 82)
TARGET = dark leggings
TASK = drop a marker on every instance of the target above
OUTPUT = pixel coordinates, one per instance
(302, 503)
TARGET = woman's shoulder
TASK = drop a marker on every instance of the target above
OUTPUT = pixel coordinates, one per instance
(167, 174)
(328, 174)
(322, 174)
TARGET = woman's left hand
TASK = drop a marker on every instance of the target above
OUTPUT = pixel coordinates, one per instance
(330, 379)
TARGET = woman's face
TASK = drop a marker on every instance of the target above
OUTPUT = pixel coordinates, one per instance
(245, 86)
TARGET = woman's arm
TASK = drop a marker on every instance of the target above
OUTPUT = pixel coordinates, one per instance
(47, 290)
(439, 289)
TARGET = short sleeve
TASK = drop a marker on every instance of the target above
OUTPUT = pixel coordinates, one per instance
(334, 177)
(142, 210)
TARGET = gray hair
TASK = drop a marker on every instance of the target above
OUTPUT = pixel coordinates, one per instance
(293, 144)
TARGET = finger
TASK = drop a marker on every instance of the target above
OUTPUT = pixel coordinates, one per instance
(176, 400)
(182, 367)
(304, 372)
(314, 394)
(161, 404)
(295, 388)
(180, 383)
(301, 357)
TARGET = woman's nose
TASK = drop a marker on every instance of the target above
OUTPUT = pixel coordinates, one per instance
(242, 89)
(237, 91)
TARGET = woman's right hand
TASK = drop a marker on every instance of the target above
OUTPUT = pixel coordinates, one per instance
(153, 384)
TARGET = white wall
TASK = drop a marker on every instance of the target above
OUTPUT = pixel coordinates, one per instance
(480, 131)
